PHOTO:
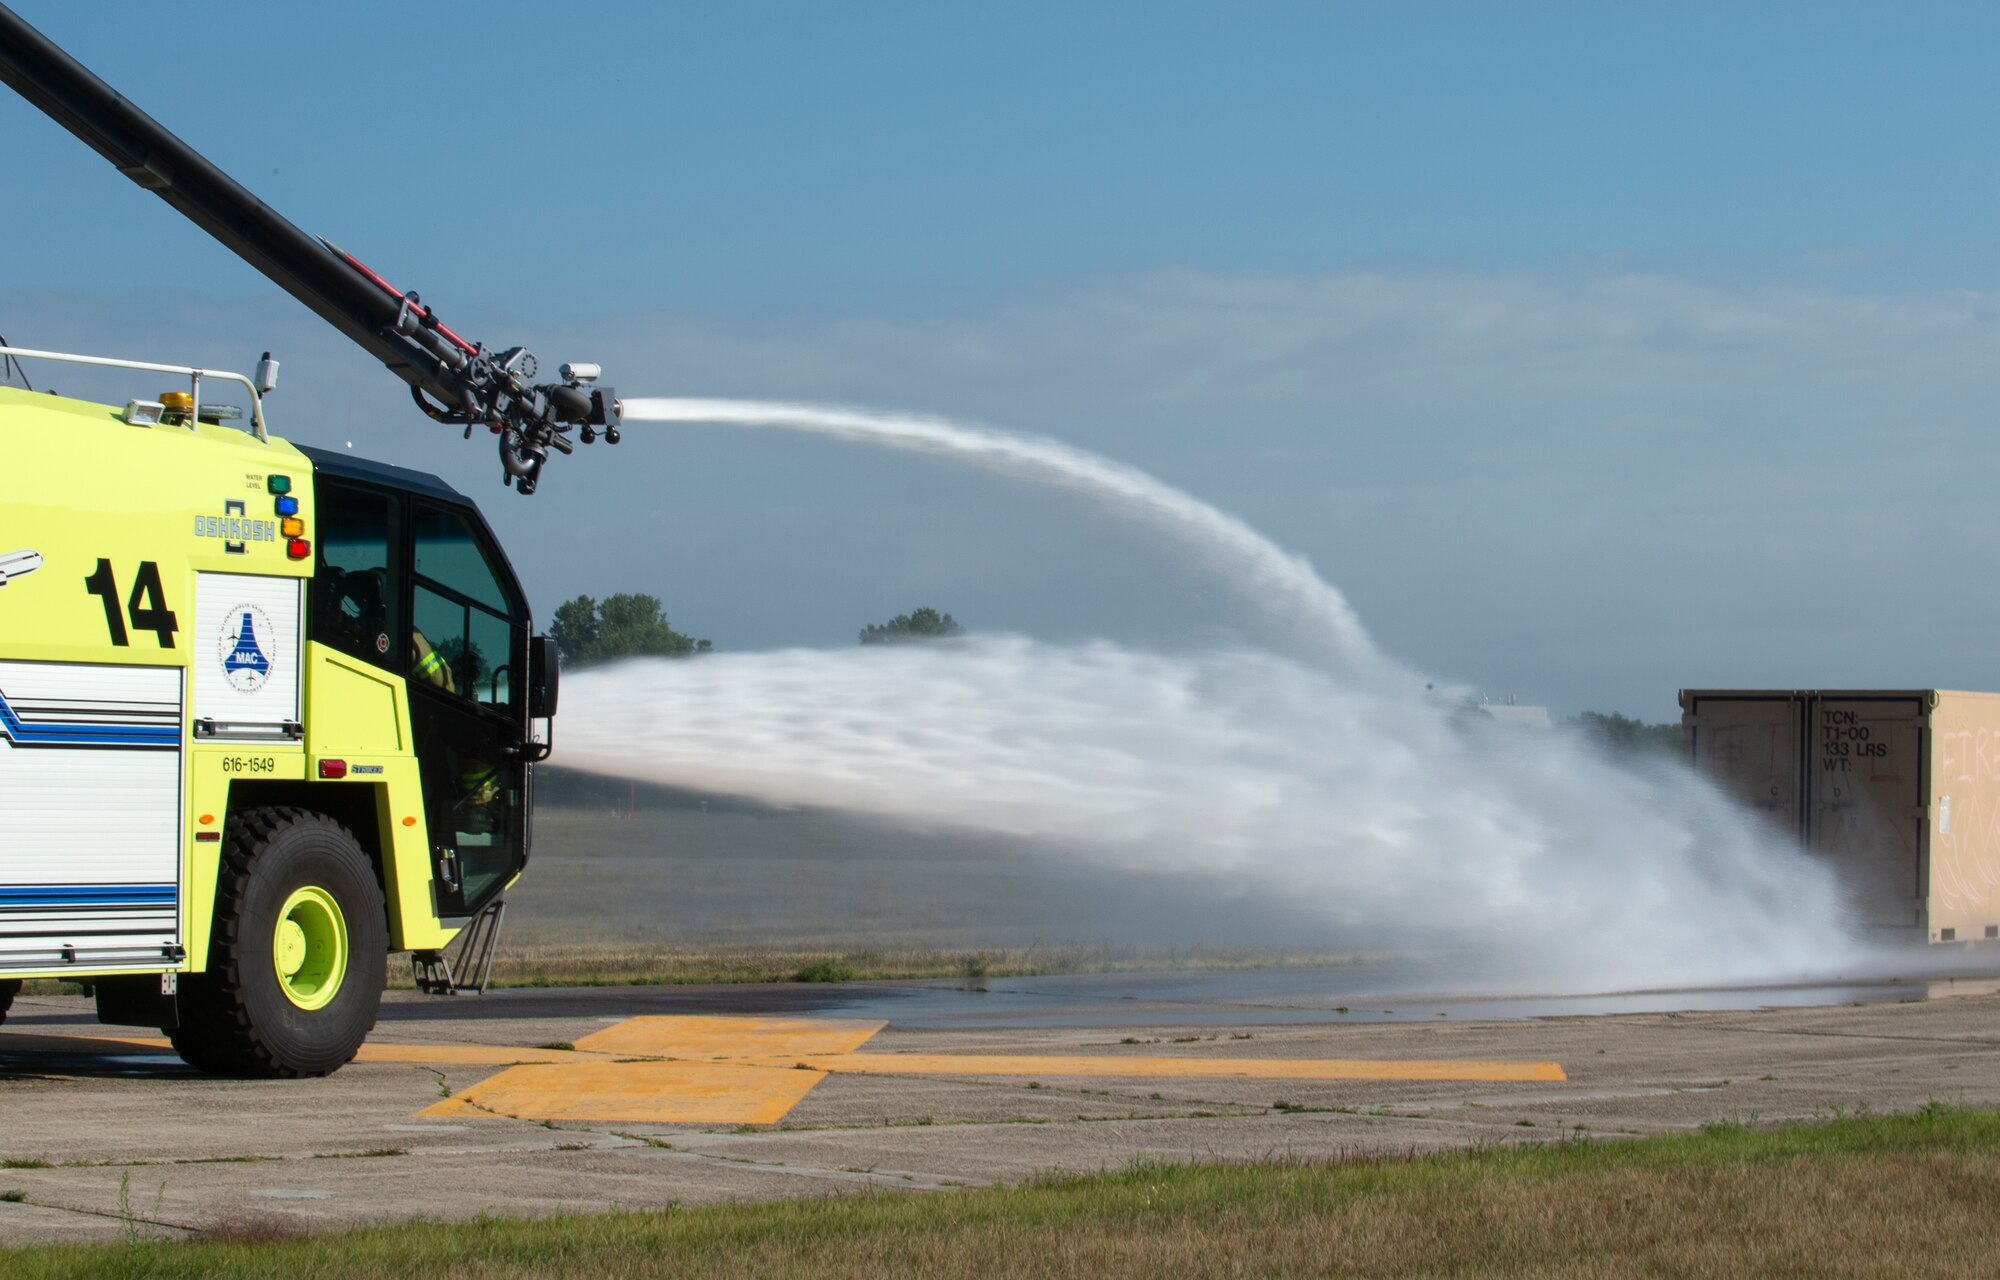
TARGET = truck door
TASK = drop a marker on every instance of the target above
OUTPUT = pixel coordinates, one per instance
(1867, 811)
(467, 656)
(1751, 747)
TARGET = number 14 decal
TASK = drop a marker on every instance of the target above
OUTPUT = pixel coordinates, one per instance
(146, 606)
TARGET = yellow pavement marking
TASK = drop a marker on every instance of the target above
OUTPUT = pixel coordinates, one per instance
(635, 1093)
(136, 1042)
(755, 1070)
(731, 1037)
(748, 1070)
(471, 1055)
(981, 1064)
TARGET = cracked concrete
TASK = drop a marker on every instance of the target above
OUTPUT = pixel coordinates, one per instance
(103, 1143)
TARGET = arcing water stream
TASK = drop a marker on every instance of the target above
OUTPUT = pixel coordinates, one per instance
(1303, 602)
(1343, 786)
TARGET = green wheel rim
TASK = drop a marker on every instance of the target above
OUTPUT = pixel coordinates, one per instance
(309, 948)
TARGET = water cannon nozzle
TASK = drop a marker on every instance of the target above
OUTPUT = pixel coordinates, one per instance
(570, 404)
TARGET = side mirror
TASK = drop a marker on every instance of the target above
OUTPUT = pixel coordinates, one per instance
(544, 677)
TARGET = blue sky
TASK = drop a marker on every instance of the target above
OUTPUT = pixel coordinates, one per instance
(1595, 350)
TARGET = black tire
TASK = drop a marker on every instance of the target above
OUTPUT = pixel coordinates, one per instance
(9, 988)
(241, 1018)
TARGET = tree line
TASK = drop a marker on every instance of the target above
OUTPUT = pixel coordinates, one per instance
(632, 624)
(1628, 736)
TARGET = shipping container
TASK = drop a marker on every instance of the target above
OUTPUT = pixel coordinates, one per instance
(1898, 790)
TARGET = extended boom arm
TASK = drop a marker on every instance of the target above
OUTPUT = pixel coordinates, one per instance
(451, 379)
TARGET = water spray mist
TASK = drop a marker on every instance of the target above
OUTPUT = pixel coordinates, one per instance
(1341, 785)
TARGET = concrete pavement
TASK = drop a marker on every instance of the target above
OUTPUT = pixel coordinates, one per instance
(103, 1135)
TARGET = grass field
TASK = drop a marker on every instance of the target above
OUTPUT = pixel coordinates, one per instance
(552, 963)
(694, 890)
(1911, 1195)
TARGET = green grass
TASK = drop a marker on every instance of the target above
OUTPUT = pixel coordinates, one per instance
(1908, 1195)
(824, 971)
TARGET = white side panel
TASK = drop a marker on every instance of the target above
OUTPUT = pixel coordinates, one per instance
(90, 820)
(245, 656)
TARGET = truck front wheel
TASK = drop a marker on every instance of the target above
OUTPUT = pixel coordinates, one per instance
(9, 988)
(299, 954)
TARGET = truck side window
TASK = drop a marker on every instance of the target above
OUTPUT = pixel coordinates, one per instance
(464, 635)
(355, 596)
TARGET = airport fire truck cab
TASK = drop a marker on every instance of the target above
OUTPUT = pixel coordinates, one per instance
(266, 713)
(266, 716)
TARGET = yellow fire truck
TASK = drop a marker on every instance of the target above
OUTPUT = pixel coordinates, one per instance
(267, 713)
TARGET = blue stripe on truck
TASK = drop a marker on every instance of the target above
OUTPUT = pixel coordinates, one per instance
(84, 735)
(66, 895)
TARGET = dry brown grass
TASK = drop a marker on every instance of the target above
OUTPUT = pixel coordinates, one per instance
(1859, 1197)
(249, 1228)
(597, 963)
